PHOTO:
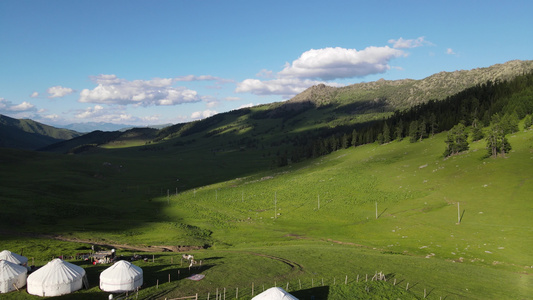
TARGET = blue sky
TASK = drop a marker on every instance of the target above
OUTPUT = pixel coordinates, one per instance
(157, 62)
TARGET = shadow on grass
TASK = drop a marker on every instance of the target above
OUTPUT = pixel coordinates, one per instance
(316, 293)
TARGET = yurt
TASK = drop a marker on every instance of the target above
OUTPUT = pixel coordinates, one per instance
(274, 293)
(12, 276)
(56, 278)
(13, 257)
(121, 277)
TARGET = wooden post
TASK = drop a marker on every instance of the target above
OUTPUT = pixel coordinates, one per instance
(237, 293)
(287, 287)
(357, 278)
(322, 281)
(407, 287)
(168, 277)
(207, 295)
(275, 205)
(224, 293)
(157, 284)
(346, 280)
(376, 210)
(153, 258)
(424, 293)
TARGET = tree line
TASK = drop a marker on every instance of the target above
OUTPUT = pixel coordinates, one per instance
(490, 110)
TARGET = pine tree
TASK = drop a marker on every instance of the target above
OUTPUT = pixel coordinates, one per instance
(413, 131)
(477, 133)
(398, 133)
(386, 133)
(354, 138)
(422, 130)
(528, 122)
(456, 140)
(497, 143)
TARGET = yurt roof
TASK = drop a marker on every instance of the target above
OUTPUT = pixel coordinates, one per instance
(274, 293)
(12, 276)
(13, 257)
(120, 269)
(120, 277)
(57, 271)
(10, 270)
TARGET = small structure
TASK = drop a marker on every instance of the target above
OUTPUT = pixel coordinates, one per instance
(274, 293)
(14, 258)
(12, 276)
(122, 276)
(56, 278)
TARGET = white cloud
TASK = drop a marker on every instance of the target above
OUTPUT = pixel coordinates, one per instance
(100, 114)
(7, 106)
(158, 91)
(246, 105)
(232, 98)
(34, 95)
(333, 63)
(264, 73)
(412, 43)
(203, 114)
(59, 91)
(212, 104)
(281, 86)
(450, 51)
(52, 117)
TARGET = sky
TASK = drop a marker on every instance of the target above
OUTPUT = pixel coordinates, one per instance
(156, 62)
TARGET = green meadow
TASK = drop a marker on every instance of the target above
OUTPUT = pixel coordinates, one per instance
(454, 228)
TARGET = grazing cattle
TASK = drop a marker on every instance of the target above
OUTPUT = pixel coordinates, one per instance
(188, 257)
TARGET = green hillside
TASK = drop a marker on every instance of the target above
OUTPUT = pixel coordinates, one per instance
(295, 196)
(30, 135)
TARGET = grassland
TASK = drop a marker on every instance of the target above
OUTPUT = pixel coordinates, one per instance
(305, 224)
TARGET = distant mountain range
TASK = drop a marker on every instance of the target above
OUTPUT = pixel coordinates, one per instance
(93, 126)
(30, 135)
(318, 108)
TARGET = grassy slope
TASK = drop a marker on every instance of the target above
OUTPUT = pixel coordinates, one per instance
(415, 239)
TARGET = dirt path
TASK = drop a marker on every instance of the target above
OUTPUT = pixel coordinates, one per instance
(139, 248)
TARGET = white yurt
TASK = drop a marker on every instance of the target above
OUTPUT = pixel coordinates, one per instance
(122, 276)
(274, 293)
(56, 278)
(13, 257)
(12, 276)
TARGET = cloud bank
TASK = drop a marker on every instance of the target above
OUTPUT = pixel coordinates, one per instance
(323, 65)
(155, 92)
(7, 106)
(401, 43)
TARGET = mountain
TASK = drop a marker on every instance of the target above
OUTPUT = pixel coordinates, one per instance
(318, 112)
(30, 135)
(92, 126)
